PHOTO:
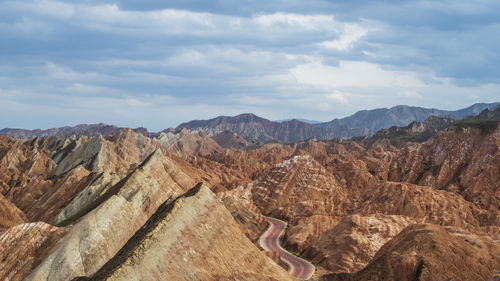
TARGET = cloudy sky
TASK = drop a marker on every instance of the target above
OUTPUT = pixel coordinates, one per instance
(157, 63)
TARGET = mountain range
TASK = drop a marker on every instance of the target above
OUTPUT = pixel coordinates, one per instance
(258, 129)
(362, 123)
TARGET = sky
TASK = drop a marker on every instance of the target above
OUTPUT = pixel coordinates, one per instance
(157, 64)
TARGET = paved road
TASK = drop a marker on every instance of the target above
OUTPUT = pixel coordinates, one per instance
(298, 268)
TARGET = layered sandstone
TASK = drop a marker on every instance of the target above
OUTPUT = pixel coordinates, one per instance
(10, 215)
(464, 160)
(24, 246)
(42, 176)
(101, 228)
(301, 191)
(244, 211)
(353, 242)
(185, 144)
(192, 238)
(429, 252)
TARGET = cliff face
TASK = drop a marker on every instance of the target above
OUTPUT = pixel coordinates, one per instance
(42, 176)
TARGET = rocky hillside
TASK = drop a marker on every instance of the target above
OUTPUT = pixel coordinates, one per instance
(185, 144)
(430, 252)
(354, 241)
(192, 238)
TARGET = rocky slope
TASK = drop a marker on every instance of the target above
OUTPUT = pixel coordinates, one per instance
(42, 176)
(463, 159)
(429, 252)
(10, 215)
(192, 238)
(228, 139)
(101, 192)
(24, 246)
(185, 144)
(302, 192)
(102, 227)
(353, 242)
(315, 192)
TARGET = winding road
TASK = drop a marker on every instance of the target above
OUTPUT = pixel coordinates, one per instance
(298, 268)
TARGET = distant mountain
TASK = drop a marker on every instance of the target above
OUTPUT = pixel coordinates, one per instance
(78, 130)
(254, 127)
(313, 122)
(402, 115)
(488, 114)
(416, 131)
(362, 123)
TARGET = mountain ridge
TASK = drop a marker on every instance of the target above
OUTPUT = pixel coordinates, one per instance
(254, 128)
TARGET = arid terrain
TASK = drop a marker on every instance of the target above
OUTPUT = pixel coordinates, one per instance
(417, 202)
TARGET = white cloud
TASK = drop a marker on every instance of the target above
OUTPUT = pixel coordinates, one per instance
(353, 74)
(134, 102)
(351, 34)
(410, 94)
(287, 20)
(338, 96)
